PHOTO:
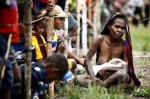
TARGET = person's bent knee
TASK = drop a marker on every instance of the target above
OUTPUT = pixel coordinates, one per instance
(122, 75)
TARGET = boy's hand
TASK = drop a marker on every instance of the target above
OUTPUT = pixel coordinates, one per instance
(61, 47)
(97, 80)
(50, 7)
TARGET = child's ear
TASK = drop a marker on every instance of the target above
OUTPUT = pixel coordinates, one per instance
(55, 74)
(55, 71)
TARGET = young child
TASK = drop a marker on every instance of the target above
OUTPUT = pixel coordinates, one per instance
(108, 45)
(53, 68)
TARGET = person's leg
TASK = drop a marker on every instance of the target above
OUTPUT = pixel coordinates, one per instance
(6, 81)
(83, 80)
(140, 13)
(102, 72)
(5, 94)
(134, 19)
(147, 14)
(118, 77)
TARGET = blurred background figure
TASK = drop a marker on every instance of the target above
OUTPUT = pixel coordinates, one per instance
(147, 12)
(139, 4)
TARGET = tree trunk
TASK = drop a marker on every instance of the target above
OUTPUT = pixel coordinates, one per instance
(28, 16)
(50, 31)
(50, 26)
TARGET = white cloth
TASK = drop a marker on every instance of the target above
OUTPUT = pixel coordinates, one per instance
(139, 3)
(112, 63)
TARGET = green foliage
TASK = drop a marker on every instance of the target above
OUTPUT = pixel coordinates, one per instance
(69, 91)
(140, 37)
(142, 92)
(20, 1)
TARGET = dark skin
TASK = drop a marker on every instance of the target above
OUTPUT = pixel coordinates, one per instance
(111, 46)
(59, 22)
(53, 71)
(49, 8)
(38, 28)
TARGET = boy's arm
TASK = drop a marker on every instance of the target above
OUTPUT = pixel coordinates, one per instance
(48, 10)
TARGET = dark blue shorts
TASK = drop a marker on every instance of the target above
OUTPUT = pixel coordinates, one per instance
(7, 81)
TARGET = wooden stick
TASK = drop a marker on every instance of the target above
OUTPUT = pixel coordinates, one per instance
(96, 18)
(28, 16)
(78, 31)
(50, 26)
(50, 30)
(89, 10)
(66, 26)
(84, 28)
(3, 67)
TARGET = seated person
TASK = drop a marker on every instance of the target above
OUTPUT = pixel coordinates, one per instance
(20, 46)
(38, 41)
(53, 68)
(108, 45)
(58, 46)
(37, 51)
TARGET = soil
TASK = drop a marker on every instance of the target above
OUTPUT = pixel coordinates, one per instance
(142, 70)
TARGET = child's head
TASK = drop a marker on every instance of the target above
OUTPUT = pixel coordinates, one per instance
(38, 23)
(72, 25)
(59, 17)
(56, 66)
(39, 26)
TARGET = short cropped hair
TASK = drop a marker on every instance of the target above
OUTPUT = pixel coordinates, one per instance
(57, 61)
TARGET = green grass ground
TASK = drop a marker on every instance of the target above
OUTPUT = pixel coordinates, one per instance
(140, 37)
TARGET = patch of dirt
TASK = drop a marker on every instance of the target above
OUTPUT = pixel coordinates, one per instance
(142, 67)
(142, 70)
(143, 74)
